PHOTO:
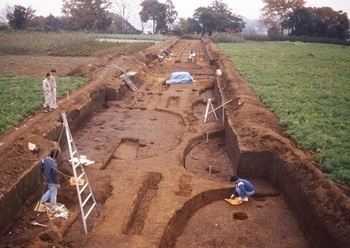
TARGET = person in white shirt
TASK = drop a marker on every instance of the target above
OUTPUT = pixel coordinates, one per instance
(191, 56)
(47, 92)
(53, 103)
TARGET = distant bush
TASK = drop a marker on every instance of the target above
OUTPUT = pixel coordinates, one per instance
(227, 38)
(237, 38)
(240, 38)
(308, 39)
(147, 37)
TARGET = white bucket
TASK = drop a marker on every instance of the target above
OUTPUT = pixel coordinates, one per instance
(218, 72)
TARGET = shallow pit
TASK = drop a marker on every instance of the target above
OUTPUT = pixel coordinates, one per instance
(143, 131)
(217, 166)
(147, 192)
(208, 221)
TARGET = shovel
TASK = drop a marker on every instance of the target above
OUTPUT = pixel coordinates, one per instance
(37, 224)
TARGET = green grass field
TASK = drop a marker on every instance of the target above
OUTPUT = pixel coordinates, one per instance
(307, 86)
(70, 44)
(22, 96)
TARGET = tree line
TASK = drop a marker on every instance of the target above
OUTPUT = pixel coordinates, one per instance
(282, 17)
(291, 17)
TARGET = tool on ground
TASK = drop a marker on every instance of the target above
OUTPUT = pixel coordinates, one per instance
(40, 207)
(86, 197)
(234, 201)
(72, 182)
(37, 223)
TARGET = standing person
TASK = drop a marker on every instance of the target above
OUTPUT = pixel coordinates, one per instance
(191, 56)
(49, 167)
(47, 92)
(243, 189)
(53, 88)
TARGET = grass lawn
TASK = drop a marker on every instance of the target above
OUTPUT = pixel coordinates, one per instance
(307, 86)
(22, 96)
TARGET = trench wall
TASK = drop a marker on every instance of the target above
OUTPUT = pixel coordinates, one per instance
(11, 201)
(31, 179)
(180, 218)
(308, 194)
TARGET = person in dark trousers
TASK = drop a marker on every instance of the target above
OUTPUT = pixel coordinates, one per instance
(48, 166)
(243, 189)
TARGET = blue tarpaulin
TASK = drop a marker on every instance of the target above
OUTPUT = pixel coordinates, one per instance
(181, 77)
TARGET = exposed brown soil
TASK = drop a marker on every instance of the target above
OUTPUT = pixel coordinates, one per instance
(161, 173)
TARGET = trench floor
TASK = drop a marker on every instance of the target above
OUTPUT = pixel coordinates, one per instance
(153, 154)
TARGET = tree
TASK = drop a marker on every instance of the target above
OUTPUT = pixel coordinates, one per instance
(47, 24)
(207, 19)
(218, 17)
(154, 11)
(187, 26)
(125, 10)
(88, 14)
(118, 23)
(301, 23)
(148, 11)
(319, 22)
(171, 13)
(329, 23)
(193, 26)
(19, 16)
(277, 12)
(160, 18)
(52, 23)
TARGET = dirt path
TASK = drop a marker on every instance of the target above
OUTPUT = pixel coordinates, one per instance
(161, 173)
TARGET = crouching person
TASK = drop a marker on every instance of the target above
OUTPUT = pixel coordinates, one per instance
(243, 189)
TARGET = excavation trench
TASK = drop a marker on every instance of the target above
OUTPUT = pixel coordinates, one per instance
(161, 172)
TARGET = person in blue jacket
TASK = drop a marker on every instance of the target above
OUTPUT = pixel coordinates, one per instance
(243, 189)
(48, 166)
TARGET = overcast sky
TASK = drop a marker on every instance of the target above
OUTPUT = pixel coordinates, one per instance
(185, 8)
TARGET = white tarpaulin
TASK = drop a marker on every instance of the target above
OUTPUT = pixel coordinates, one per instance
(181, 77)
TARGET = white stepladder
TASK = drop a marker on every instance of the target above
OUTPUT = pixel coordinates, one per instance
(207, 111)
(86, 197)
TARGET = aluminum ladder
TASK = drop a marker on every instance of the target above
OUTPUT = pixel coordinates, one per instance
(128, 81)
(87, 201)
(125, 77)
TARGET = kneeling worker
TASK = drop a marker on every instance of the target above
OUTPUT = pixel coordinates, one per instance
(243, 189)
